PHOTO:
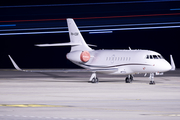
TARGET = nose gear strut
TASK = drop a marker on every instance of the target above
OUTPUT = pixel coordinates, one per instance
(152, 82)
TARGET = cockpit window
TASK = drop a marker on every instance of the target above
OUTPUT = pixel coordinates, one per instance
(147, 57)
(151, 57)
(160, 57)
(154, 57)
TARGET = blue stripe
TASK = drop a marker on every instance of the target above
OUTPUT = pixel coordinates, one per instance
(175, 9)
(99, 32)
(102, 3)
(10, 25)
(95, 30)
(97, 26)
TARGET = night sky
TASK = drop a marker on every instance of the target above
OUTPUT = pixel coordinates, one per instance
(157, 23)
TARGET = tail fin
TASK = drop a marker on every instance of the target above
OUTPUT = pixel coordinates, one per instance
(76, 37)
(77, 42)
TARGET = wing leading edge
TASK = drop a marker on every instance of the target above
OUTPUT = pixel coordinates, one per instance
(63, 70)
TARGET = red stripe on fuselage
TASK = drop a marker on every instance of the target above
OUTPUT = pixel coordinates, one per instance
(126, 16)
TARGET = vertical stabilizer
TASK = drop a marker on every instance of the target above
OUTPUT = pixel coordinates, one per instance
(76, 37)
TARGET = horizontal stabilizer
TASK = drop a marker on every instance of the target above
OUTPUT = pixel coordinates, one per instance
(58, 44)
(92, 45)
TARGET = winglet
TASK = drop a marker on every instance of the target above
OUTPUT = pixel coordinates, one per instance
(173, 67)
(14, 64)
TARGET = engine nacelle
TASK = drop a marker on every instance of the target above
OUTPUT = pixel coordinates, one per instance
(79, 56)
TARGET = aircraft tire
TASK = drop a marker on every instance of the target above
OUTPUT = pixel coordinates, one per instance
(95, 80)
(151, 83)
(127, 80)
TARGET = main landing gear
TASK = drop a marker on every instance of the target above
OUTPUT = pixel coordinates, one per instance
(152, 82)
(93, 78)
(129, 79)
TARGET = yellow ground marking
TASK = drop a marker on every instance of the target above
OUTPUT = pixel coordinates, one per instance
(30, 105)
(170, 115)
(94, 108)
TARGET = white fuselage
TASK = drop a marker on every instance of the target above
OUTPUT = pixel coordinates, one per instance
(126, 61)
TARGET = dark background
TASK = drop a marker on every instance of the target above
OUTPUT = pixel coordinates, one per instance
(49, 14)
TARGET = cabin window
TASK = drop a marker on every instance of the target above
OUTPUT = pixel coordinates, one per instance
(126, 58)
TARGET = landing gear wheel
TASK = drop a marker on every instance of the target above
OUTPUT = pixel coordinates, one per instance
(95, 80)
(152, 83)
(131, 77)
(128, 80)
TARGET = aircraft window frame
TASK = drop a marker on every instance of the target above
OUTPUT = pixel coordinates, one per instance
(159, 56)
(155, 57)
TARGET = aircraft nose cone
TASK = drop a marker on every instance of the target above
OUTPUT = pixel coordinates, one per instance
(167, 67)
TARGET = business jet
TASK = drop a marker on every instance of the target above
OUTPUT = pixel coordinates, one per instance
(112, 62)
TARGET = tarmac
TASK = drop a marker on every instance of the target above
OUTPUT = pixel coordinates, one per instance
(69, 96)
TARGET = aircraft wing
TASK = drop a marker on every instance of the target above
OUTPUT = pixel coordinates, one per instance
(63, 70)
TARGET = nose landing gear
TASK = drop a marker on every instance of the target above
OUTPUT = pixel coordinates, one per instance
(93, 78)
(152, 82)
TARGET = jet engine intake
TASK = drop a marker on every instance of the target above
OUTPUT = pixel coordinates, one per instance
(79, 56)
